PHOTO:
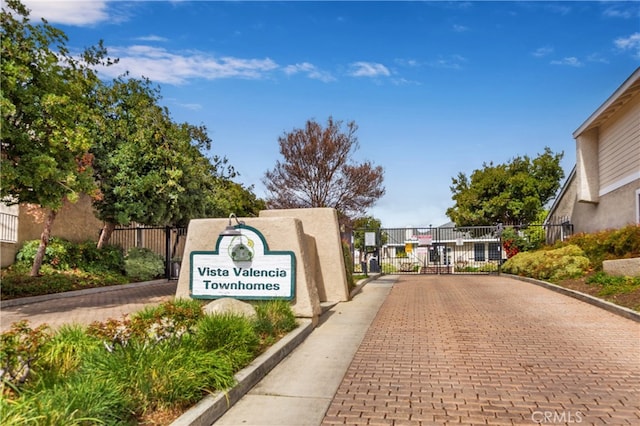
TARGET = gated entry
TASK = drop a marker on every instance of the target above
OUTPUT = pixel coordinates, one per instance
(439, 250)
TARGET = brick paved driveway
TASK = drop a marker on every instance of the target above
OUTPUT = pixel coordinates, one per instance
(89, 306)
(490, 350)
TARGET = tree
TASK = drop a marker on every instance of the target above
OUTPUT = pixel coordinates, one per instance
(47, 115)
(150, 169)
(319, 171)
(515, 192)
(366, 224)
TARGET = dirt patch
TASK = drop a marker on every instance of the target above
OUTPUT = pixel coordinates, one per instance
(629, 299)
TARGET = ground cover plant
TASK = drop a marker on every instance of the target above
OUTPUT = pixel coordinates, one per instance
(145, 369)
(577, 264)
(75, 266)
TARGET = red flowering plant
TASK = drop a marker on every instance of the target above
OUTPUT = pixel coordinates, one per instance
(512, 242)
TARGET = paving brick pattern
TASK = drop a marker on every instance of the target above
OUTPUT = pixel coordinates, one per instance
(487, 350)
(86, 308)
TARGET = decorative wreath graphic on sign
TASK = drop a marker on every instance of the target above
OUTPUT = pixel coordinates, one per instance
(241, 249)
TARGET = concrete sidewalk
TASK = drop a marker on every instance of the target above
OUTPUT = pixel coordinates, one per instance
(298, 391)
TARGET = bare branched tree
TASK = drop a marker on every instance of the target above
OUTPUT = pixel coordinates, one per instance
(318, 171)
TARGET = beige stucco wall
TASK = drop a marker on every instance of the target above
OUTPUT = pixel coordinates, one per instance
(74, 222)
(322, 224)
(615, 209)
(8, 253)
(281, 233)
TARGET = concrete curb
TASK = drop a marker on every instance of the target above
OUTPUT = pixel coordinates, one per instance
(213, 406)
(52, 296)
(611, 307)
(361, 283)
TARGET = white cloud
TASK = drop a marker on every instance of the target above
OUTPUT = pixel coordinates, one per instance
(310, 70)
(152, 37)
(570, 61)
(598, 58)
(450, 62)
(631, 43)
(162, 66)
(618, 11)
(368, 69)
(78, 13)
(460, 28)
(542, 51)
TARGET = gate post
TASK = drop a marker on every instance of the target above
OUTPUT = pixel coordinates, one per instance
(499, 230)
(167, 252)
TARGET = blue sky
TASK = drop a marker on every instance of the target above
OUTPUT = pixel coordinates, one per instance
(436, 88)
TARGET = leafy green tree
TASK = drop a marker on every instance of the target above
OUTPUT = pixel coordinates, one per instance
(47, 114)
(515, 192)
(232, 197)
(362, 225)
(150, 169)
(318, 171)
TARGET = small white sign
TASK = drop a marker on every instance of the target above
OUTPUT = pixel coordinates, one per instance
(370, 239)
(242, 266)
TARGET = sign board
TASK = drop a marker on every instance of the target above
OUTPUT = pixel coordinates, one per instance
(370, 239)
(242, 267)
(425, 240)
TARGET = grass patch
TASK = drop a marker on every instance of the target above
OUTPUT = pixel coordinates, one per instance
(613, 284)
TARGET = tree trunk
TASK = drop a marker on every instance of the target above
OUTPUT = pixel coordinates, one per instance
(44, 240)
(105, 235)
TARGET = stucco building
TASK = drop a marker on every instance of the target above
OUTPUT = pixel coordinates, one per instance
(603, 189)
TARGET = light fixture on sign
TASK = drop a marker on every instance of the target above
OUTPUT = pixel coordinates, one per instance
(230, 230)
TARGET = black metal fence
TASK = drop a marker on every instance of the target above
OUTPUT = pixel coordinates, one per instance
(447, 250)
(165, 241)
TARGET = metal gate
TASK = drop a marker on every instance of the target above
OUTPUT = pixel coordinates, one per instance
(440, 250)
(165, 241)
(444, 249)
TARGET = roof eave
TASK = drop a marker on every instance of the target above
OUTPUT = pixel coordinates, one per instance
(633, 78)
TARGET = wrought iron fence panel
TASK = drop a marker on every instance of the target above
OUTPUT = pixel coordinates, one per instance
(449, 250)
(165, 241)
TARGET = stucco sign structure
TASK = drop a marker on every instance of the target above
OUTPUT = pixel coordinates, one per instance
(242, 267)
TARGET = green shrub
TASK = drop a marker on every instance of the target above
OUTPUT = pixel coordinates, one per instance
(63, 255)
(108, 258)
(230, 334)
(388, 268)
(552, 265)
(611, 244)
(59, 254)
(162, 375)
(20, 349)
(274, 318)
(142, 264)
(64, 352)
(119, 371)
(613, 284)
